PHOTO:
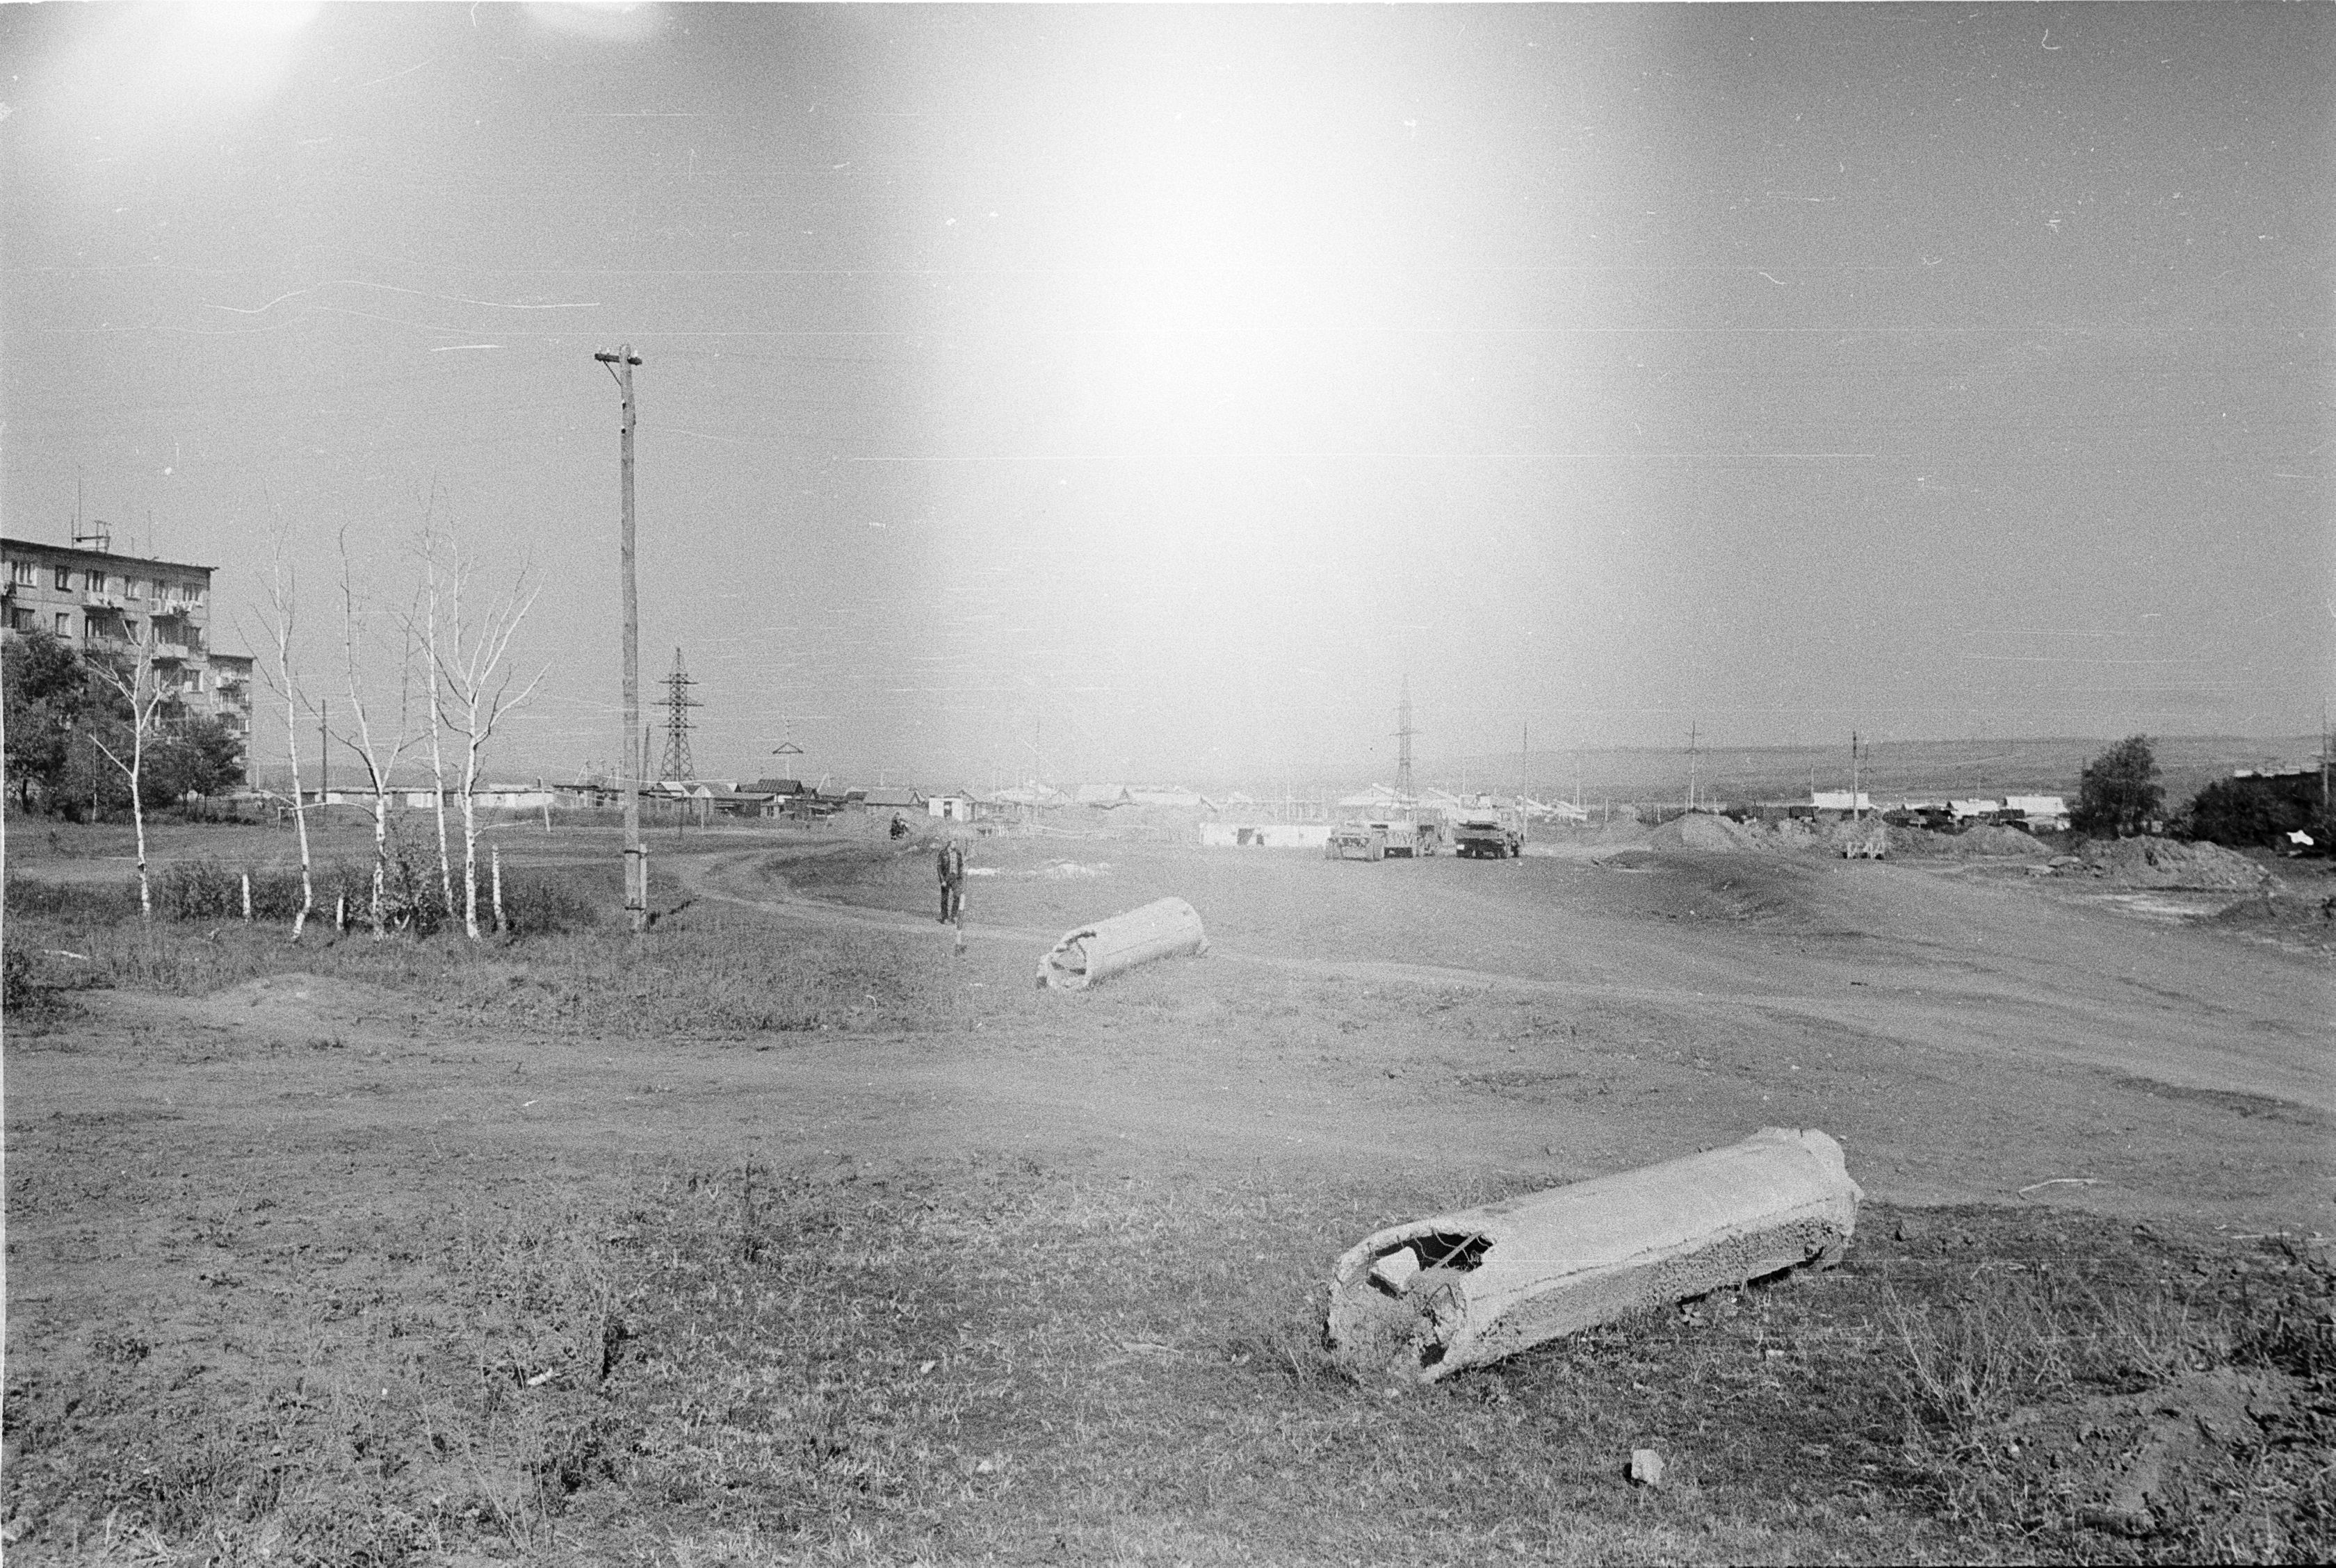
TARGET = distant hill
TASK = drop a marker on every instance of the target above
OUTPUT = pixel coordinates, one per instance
(1921, 769)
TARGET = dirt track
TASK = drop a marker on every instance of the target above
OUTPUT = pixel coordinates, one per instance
(1965, 1035)
(1968, 1034)
(214, 1183)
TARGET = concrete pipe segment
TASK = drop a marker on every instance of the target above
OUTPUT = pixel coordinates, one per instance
(1420, 1300)
(1160, 929)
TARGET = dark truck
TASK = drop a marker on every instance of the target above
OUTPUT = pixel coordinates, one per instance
(1488, 835)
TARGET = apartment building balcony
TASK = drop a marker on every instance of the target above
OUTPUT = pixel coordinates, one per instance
(179, 652)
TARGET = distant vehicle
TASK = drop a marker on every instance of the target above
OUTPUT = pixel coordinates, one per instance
(1355, 841)
(1410, 837)
(1487, 836)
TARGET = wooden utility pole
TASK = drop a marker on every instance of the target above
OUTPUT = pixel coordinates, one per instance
(637, 866)
(324, 757)
(1692, 731)
(1854, 812)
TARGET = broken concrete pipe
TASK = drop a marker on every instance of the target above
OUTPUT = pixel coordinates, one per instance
(1160, 929)
(1422, 1300)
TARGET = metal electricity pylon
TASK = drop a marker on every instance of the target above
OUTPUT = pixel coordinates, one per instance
(1403, 733)
(676, 703)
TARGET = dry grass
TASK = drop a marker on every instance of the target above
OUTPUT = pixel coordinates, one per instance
(980, 1360)
(987, 1361)
(700, 974)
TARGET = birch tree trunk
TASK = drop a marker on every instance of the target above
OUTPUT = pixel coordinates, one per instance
(138, 811)
(471, 843)
(281, 602)
(380, 860)
(437, 721)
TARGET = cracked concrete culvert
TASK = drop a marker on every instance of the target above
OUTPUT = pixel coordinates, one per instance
(1163, 928)
(1420, 1300)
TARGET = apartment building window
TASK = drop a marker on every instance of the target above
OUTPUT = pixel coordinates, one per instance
(21, 619)
(23, 573)
(91, 627)
(93, 581)
(65, 579)
(135, 587)
(64, 622)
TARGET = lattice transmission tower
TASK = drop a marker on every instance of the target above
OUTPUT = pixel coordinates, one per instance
(676, 703)
(1403, 733)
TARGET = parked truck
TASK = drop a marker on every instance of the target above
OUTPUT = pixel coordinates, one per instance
(1489, 835)
(1410, 838)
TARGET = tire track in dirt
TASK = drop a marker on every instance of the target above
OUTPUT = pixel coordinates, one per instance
(1982, 1018)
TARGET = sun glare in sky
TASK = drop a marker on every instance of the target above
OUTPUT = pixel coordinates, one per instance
(1148, 391)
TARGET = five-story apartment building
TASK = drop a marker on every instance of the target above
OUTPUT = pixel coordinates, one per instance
(92, 598)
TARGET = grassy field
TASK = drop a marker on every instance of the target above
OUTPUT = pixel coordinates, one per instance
(568, 1248)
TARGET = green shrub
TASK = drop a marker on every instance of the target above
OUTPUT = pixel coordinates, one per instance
(15, 980)
(101, 903)
(547, 903)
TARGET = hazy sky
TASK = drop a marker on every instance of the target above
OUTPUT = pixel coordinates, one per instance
(1144, 390)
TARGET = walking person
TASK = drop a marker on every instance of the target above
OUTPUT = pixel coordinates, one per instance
(950, 864)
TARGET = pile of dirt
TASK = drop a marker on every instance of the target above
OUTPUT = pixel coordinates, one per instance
(300, 1000)
(1793, 833)
(2169, 863)
(1993, 840)
(1702, 831)
(2133, 1461)
(1919, 843)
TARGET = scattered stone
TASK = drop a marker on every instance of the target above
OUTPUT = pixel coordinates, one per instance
(1646, 1467)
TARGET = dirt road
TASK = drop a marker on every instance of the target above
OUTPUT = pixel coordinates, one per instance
(1970, 1033)
(1966, 1037)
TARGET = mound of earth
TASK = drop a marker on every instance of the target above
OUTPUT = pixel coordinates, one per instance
(2135, 1461)
(1702, 831)
(1993, 840)
(300, 998)
(1920, 843)
(1793, 833)
(2169, 863)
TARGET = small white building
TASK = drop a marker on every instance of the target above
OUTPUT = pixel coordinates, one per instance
(2046, 811)
(962, 806)
(1841, 801)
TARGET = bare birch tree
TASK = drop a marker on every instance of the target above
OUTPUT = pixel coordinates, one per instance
(472, 689)
(380, 764)
(141, 687)
(434, 575)
(283, 590)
